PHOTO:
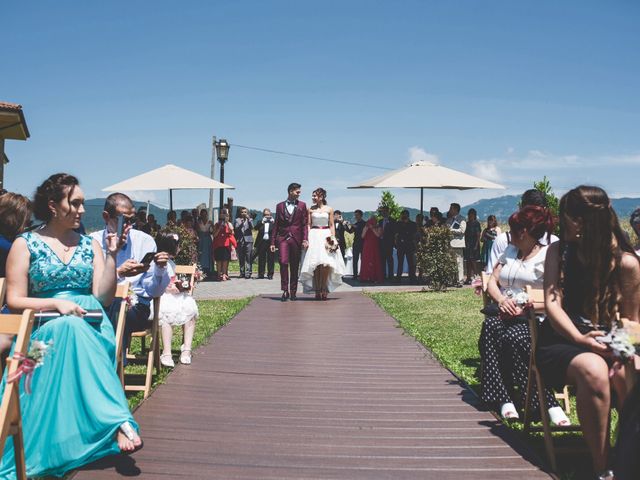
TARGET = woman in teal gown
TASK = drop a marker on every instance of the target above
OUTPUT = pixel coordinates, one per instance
(77, 411)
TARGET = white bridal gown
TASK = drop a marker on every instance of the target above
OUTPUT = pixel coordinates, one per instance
(317, 255)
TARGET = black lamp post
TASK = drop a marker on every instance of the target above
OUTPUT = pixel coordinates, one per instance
(222, 151)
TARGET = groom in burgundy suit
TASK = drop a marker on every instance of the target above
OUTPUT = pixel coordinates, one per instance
(291, 236)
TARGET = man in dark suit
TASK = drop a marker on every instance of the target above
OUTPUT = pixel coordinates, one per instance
(340, 230)
(356, 228)
(291, 236)
(387, 240)
(243, 230)
(263, 244)
(406, 231)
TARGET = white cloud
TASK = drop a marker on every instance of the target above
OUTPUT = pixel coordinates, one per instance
(419, 154)
(487, 169)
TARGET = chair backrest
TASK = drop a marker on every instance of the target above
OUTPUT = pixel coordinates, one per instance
(10, 418)
(536, 295)
(2, 291)
(188, 270)
(122, 291)
(486, 299)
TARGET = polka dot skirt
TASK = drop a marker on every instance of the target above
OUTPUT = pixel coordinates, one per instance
(504, 352)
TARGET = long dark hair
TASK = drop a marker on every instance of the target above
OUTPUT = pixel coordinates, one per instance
(599, 252)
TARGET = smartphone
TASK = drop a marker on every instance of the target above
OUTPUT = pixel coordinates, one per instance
(54, 314)
(120, 228)
(148, 258)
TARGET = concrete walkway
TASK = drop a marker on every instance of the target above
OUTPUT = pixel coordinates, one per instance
(316, 390)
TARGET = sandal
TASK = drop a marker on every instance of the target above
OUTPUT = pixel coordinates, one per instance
(508, 411)
(317, 294)
(128, 431)
(167, 360)
(558, 417)
(185, 356)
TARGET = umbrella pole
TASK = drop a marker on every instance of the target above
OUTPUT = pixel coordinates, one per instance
(421, 201)
(170, 199)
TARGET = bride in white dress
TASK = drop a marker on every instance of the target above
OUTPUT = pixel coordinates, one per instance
(322, 268)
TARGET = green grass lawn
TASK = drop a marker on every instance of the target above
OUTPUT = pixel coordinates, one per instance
(449, 324)
(213, 315)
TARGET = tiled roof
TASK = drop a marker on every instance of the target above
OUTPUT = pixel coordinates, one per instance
(10, 106)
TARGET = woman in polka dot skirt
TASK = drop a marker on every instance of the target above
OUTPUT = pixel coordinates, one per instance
(505, 342)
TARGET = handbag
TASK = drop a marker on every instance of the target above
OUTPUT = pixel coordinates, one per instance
(234, 254)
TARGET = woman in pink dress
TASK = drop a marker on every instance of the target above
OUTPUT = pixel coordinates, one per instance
(370, 262)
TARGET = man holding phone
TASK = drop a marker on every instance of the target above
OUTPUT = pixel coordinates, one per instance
(137, 262)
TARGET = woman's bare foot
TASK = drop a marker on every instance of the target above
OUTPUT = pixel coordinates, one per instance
(127, 438)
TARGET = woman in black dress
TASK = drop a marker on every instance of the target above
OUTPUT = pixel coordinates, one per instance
(591, 275)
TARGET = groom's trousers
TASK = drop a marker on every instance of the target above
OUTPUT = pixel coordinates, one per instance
(289, 258)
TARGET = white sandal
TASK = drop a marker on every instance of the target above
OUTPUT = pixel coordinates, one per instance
(167, 360)
(508, 411)
(185, 356)
(558, 417)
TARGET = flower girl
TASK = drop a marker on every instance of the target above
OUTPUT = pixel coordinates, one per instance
(177, 306)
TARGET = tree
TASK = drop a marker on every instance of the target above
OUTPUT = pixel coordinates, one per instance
(436, 259)
(389, 201)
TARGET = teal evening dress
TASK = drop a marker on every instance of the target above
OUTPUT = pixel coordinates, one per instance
(77, 403)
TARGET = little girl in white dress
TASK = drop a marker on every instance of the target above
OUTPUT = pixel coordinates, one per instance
(177, 306)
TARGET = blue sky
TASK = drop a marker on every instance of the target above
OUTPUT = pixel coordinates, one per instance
(507, 90)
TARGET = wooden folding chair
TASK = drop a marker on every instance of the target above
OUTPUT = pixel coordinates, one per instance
(152, 353)
(188, 270)
(10, 416)
(486, 299)
(537, 295)
(2, 291)
(122, 291)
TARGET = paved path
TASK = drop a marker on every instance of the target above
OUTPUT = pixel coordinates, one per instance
(316, 390)
(239, 287)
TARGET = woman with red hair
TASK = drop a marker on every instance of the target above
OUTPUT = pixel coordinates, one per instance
(505, 341)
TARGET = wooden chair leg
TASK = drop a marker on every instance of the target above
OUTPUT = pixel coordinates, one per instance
(546, 423)
(528, 402)
(18, 451)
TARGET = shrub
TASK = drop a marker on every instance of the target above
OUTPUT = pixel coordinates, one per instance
(436, 259)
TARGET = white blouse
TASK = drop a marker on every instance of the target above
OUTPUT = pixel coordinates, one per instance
(516, 273)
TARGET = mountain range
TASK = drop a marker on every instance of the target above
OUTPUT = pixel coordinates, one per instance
(501, 207)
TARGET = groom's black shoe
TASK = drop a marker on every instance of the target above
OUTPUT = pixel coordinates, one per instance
(285, 296)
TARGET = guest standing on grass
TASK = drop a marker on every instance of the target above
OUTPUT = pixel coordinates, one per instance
(76, 412)
(356, 228)
(457, 224)
(406, 232)
(472, 244)
(204, 228)
(266, 258)
(592, 276)
(387, 230)
(340, 228)
(177, 306)
(223, 241)
(243, 230)
(371, 263)
(488, 236)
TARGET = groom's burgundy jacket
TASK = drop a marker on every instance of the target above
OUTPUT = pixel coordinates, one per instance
(290, 225)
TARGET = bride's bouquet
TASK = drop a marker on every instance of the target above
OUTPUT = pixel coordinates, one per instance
(331, 244)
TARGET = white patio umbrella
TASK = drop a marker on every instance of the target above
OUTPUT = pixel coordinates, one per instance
(169, 177)
(427, 175)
